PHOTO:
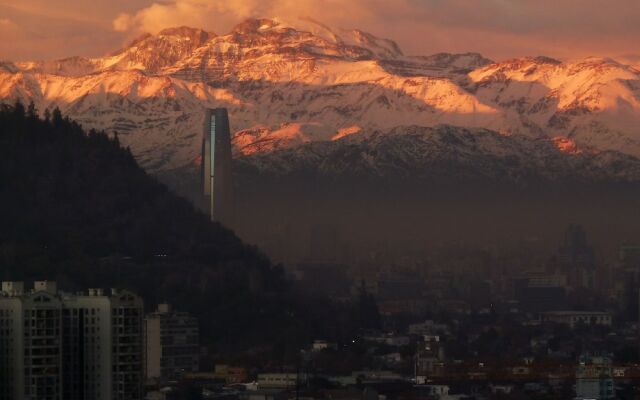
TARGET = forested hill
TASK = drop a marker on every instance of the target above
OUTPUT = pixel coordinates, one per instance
(80, 194)
(75, 207)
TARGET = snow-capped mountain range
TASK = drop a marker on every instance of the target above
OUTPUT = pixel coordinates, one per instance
(444, 155)
(290, 85)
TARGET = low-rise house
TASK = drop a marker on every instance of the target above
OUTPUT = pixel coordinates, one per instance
(501, 389)
(575, 318)
(320, 345)
(280, 380)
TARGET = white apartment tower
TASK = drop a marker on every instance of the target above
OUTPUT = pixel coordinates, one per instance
(55, 345)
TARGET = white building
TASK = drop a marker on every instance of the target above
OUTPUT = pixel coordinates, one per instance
(501, 389)
(594, 379)
(55, 345)
(280, 380)
(574, 318)
(437, 391)
(428, 327)
(320, 345)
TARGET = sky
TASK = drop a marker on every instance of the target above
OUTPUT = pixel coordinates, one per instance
(499, 29)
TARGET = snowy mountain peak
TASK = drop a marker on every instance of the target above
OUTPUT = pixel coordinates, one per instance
(309, 30)
(293, 83)
(255, 26)
(152, 53)
(167, 37)
(197, 35)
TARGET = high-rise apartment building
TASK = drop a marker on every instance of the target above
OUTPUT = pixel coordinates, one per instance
(577, 258)
(55, 345)
(127, 345)
(216, 166)
(594, 378)
(171, 343)
(30, 346)
(11, 342)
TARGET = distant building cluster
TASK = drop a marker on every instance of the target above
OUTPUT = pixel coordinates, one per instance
(461, 325)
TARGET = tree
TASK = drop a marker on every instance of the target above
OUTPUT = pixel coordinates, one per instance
(32, 112)
(18, 110)
(56, 117)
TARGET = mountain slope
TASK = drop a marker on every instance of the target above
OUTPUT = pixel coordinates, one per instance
(444, 155)
(595, 101)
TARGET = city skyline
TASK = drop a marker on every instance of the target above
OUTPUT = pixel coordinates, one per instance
(319, 199)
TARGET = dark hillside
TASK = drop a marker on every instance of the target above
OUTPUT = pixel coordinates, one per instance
(76, 207)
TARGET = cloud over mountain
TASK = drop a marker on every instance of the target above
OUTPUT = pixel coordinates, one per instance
(496, 28)
(222, 14)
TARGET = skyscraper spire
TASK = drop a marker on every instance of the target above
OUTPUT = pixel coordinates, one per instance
(217, 180)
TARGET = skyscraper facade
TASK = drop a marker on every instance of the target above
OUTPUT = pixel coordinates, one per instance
(577, 259)
(216, 171)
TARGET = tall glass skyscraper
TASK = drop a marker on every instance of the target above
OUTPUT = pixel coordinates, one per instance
(216, 171)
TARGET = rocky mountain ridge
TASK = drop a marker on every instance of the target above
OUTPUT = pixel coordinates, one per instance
(444, 155)
(290, 84)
